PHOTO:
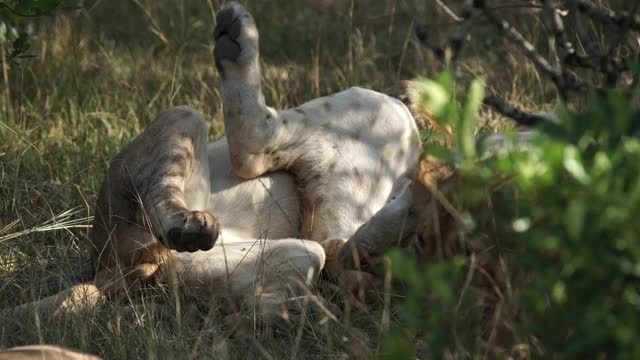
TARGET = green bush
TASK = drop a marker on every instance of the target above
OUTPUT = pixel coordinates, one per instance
(563, 218)
(13, 14)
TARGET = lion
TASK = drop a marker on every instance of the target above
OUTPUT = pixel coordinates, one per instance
(256, 215)
(40, 352)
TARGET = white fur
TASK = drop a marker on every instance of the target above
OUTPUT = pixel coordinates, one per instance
(346, 157)
(346, 151)
(350, 154)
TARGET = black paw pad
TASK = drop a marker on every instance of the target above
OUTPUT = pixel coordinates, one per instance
(226, 49)
(226, 33)
(227, 23)
(199, 232)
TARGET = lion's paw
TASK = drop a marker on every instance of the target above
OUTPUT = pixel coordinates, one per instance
(198, 231)
(236, 36)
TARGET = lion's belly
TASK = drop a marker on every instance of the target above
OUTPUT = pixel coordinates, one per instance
(263, 208)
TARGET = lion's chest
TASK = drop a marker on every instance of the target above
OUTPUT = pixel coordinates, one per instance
(263, 208)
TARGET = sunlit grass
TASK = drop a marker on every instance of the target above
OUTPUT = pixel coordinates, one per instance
(101, 74)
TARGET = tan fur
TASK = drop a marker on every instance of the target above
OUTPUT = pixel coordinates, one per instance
(169, 196)
(44, 352)
(144, 196)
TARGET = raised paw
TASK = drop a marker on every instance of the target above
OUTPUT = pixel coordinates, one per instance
(236, 36)
(199, 231)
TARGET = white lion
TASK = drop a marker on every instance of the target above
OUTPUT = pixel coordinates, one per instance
(259, 213)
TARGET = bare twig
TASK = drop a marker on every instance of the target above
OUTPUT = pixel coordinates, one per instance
(510, 32)
(606, 16)
(617, 66)
(609, 65)
(457, 40)
(513, 112)
(564, 81)
(447, 11)
(557, 25)
(451, 53)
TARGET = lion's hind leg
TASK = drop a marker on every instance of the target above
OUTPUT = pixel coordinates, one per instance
(259, 276)
(73, 300)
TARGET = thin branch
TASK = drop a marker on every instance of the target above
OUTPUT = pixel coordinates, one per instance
(423, 38)
(606, 16)
(450, 53)
(586, 41)
(38, 13)
(447, 10)
(567, 50)
(18, 13)
(457, 40)
(557, 25)
(601, 63)
(563, 81)
(455, 43)
(512, 34)
(609, 65)
(617, 66)
(513, 112)
(497, 102)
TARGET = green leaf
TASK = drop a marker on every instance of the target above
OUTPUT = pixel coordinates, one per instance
(431, 95)
(438, 151)
(20, 45)
(574, 219)
(445, 79)
(48, 6)
(405, 268)
(573, 164)
(397, 347)
(466, 127)
(559, 292)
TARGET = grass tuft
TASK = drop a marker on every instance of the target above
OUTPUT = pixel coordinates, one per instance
(101, 74)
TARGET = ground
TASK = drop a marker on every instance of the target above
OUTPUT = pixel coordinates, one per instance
(100, 74)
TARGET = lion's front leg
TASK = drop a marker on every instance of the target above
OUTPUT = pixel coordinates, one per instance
(155, 197)
(174, 181)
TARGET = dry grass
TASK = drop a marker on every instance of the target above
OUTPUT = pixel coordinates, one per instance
(101, 74)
